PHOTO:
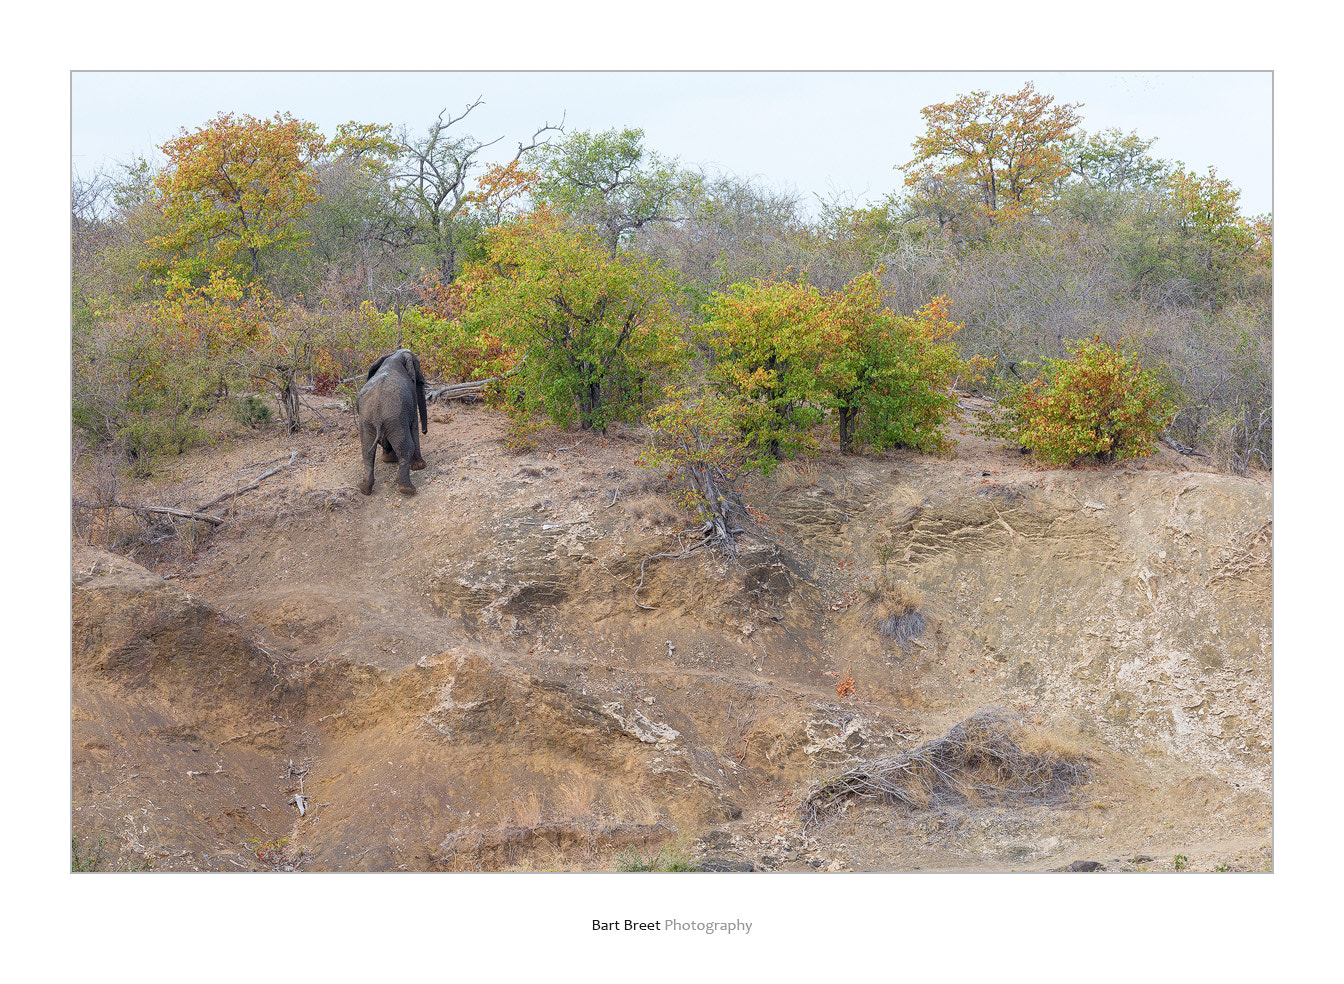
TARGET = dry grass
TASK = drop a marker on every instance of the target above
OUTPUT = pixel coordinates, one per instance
(576, 799)
(991, 757)
(796, 475)
(631, 807)
(895, 611)
(528, 811)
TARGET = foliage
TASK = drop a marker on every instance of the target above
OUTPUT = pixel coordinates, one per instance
(609, 179)
(1112, 159)
(446, 347)
(88, 858)
(791, 352)
(232, 191)
(93, 857)
(1098, 402)
(695, 433)
(890, 378)
(769, 344)
(1004, 149)
(1181, 862)
(594, 331)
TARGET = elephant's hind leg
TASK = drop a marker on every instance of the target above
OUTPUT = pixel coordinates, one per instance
(404, 455)
(369, 457)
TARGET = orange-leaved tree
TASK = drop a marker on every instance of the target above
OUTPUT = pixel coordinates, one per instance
(233, 190)
(1004, 148)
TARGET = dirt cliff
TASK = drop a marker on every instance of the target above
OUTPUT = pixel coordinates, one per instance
(512, 670)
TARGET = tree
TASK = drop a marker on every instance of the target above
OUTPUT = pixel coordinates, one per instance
(694, 433)
(433, 180)
(890, 378)
(1098, 402)
(594, 329)
(235, 188)
(1005, 147)
(1113, 160)
(609, 179)
(769, 340)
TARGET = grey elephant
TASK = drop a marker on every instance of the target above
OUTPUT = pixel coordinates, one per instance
(386, 406)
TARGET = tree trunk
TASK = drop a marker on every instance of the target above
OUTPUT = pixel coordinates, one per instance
(289, 398)
(847, 415)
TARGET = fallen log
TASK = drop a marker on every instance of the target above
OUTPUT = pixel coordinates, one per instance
(457, 391)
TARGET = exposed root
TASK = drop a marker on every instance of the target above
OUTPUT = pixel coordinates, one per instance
(992, 757)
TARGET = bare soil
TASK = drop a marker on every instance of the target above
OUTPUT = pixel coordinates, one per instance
(502, 672)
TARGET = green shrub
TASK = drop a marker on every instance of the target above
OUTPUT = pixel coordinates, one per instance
(667, 859)
(252, 411)
(1098, 402)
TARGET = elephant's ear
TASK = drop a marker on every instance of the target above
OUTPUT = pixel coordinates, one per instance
(416, 374)
(375, 367)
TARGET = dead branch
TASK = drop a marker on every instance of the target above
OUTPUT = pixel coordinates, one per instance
(160, 510)
(460, 391)
(991, 757)
(1180, 448)
(251, 485)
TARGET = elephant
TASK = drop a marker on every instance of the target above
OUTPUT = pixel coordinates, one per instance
(386, 407)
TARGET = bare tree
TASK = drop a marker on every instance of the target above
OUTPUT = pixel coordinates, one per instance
(432, 177)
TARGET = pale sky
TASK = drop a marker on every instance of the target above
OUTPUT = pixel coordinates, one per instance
(819, 133)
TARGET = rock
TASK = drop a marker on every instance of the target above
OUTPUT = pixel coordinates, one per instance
(1084, 866)
(724, 864)
(635, 724)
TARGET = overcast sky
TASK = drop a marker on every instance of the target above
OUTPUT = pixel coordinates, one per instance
(817, 133)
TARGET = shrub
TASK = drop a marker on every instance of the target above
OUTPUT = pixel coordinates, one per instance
(794, 352)
(1098, 402)
(251, 410)
(695, 435)
(594, 332)
(667, 859)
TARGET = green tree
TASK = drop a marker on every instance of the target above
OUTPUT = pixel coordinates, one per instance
(232, 192)
(594, 330)
(1112, 159)
(770, 340)
(890, 378)
(610, 180)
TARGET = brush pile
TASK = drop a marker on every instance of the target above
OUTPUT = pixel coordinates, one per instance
(992, 757)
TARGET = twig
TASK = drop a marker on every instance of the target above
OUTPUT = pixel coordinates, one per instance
(1180, 448)
(614, 496)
